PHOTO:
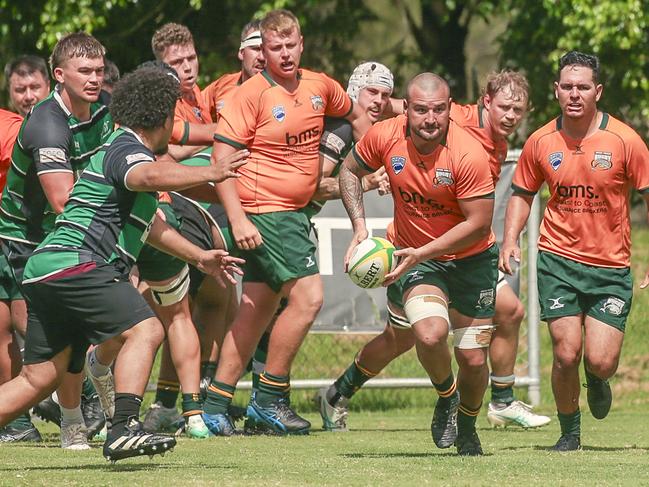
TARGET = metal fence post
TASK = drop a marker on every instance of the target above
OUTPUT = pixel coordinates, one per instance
(533, 342)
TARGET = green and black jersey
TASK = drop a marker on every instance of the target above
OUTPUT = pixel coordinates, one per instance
(336, 142)
(103, 221)
(50, 140)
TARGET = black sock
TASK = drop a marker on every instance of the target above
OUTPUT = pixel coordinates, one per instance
(126, 406)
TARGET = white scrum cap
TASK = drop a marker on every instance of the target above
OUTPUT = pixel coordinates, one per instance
(369, 74)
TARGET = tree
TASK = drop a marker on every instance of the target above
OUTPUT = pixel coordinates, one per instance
(617, 31)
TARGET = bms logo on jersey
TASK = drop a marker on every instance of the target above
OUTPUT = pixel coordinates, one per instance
(279, 113)
(398, 163)
(555, 160)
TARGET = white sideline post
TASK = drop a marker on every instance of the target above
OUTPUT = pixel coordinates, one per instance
(533, 342)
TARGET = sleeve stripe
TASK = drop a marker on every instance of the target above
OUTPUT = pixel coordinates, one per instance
(233, 143)
(488, 196)
(185, 137)
(351, 108)
(360, 161)
(522, 191)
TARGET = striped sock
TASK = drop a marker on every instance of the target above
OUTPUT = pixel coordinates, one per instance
(192, 404)
(446, 389)
(502, 389)
(219, 397)
(167, 393)
(353, 379)
(466, 418)
(271, 388)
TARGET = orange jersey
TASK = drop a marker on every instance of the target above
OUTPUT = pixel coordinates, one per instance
(216, 92)
(282, 132)
(186, 113)
(587, 216)
(426, 188)
(9, 126)
(470, 118)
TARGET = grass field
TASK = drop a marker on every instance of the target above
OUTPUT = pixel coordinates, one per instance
(387, 448)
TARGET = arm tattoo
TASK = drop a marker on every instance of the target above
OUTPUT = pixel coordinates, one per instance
(351, 192)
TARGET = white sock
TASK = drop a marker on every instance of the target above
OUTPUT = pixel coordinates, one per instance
(71, 416)
(96, 367)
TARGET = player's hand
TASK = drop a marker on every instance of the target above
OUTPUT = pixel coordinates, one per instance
(358, 237)
(406, 258)
(377, 179)
(246, 235)
(645, 281)
(220, 265)
(227, 167)
(507, 253)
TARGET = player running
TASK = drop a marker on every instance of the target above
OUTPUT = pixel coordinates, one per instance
(590, 161)
(443, 193)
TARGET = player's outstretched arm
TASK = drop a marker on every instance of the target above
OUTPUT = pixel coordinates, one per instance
(351, 192)
(171, 176)
(216, 263)
(518, 211)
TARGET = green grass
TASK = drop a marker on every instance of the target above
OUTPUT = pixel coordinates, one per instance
(387, 448)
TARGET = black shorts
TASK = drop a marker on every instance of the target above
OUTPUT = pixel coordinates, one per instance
(79, 310)
(196, 226)
(17, 254)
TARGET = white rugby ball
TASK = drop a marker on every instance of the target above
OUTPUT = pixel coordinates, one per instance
(370, 261)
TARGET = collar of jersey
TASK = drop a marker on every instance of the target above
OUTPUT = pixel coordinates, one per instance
(272, 82)
(602, 124)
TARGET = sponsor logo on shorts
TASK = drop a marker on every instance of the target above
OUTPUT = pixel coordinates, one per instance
(602, 161)
(398, 163)
(309, 261)
(317, 103)
(415, 276)
(555, 160)
(279, 113)
(51, 154)
(556, 304)
(443, 177)
(486, 299)
(613, 306)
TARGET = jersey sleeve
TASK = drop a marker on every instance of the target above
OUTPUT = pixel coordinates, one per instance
(180, 131)
(119, 163)
(337, 139)
(473, 178)
(637, 160)
(368, 152)
(10, 128)
(338, 102)
(238, 119)
(528, 177)
(47, 137)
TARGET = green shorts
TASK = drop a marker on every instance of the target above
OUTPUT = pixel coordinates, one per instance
(156, 265)
(286, 253)
(9, 290)
(469, 283)
(570, 288)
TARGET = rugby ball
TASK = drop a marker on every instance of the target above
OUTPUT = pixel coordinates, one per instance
(370, 261)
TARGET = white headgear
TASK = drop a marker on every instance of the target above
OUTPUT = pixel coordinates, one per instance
(369, 74)
(252, 39)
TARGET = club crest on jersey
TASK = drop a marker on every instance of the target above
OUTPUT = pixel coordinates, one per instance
(555, 160)
(317, 103)
(219, 106)
(279, 113)
(602, 161)
(613, 306)
(398, 163)
(443, 177)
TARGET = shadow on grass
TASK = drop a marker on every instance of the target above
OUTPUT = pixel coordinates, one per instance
(548, 448)
(118, 467)
(377, 430)
(404, 455)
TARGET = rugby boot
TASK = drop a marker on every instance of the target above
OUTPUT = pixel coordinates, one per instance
(134, 441)
(444, 424)
(276, 418)
(567, 442)
(219, 424)
(599, 395)
(334, 418)
(468, 444)
(515, 414)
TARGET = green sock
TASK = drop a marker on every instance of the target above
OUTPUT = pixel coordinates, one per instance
(219, 397)
(352, 379)
(167, 393)
(192, 404)
(466, 418)
(22, 422)
(271, 388)
(570, 423)
(208, 369)
(87, 389)
(502, 389)
(446, 389)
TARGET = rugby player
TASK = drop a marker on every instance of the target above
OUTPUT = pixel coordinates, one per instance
(590, 161)
(447, 252)
(496, 116)
(279, 114)
(28, 82)
(81, 269)
(54, 144)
